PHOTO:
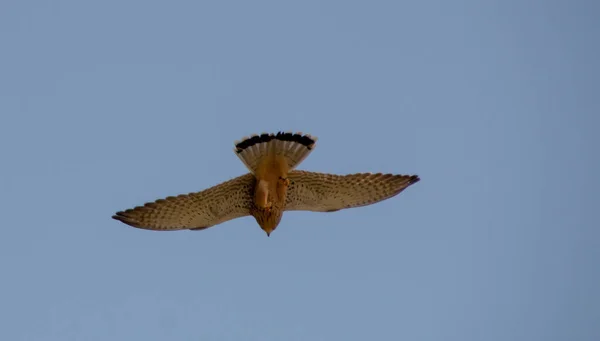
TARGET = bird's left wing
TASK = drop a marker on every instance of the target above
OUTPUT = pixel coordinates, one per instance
(194, 211)
(320, 192)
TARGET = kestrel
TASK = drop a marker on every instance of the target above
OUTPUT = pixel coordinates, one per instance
(272, 187)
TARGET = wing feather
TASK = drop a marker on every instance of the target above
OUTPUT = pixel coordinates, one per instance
(320, 192)
(196, 211)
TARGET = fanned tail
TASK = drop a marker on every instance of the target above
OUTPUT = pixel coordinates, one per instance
(293, 147)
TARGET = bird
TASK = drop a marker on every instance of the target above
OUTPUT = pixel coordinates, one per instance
(272, 185)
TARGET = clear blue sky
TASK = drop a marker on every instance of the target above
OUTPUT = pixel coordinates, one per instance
(109, 104)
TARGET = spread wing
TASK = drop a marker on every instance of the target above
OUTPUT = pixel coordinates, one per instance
(195, 211)
(321, 192)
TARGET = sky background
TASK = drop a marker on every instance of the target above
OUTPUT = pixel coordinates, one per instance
(107, 105)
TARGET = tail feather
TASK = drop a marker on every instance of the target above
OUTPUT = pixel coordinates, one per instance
(293, 147)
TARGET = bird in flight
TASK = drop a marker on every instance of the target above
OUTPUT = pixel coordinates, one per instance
(272, 187)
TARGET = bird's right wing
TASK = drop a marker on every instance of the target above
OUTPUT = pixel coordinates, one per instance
(195, 211)
(320, 192)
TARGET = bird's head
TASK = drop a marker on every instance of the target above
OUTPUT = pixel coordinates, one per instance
(268, 230)
(268, 221)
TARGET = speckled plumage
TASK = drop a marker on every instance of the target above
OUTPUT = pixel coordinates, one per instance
(271, 187)
(321, 192)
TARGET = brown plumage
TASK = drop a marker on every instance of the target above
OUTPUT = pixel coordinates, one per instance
(271, 187)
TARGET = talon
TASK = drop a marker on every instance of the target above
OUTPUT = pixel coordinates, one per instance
(284, 181)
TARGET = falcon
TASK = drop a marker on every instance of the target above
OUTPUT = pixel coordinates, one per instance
(272, 186)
